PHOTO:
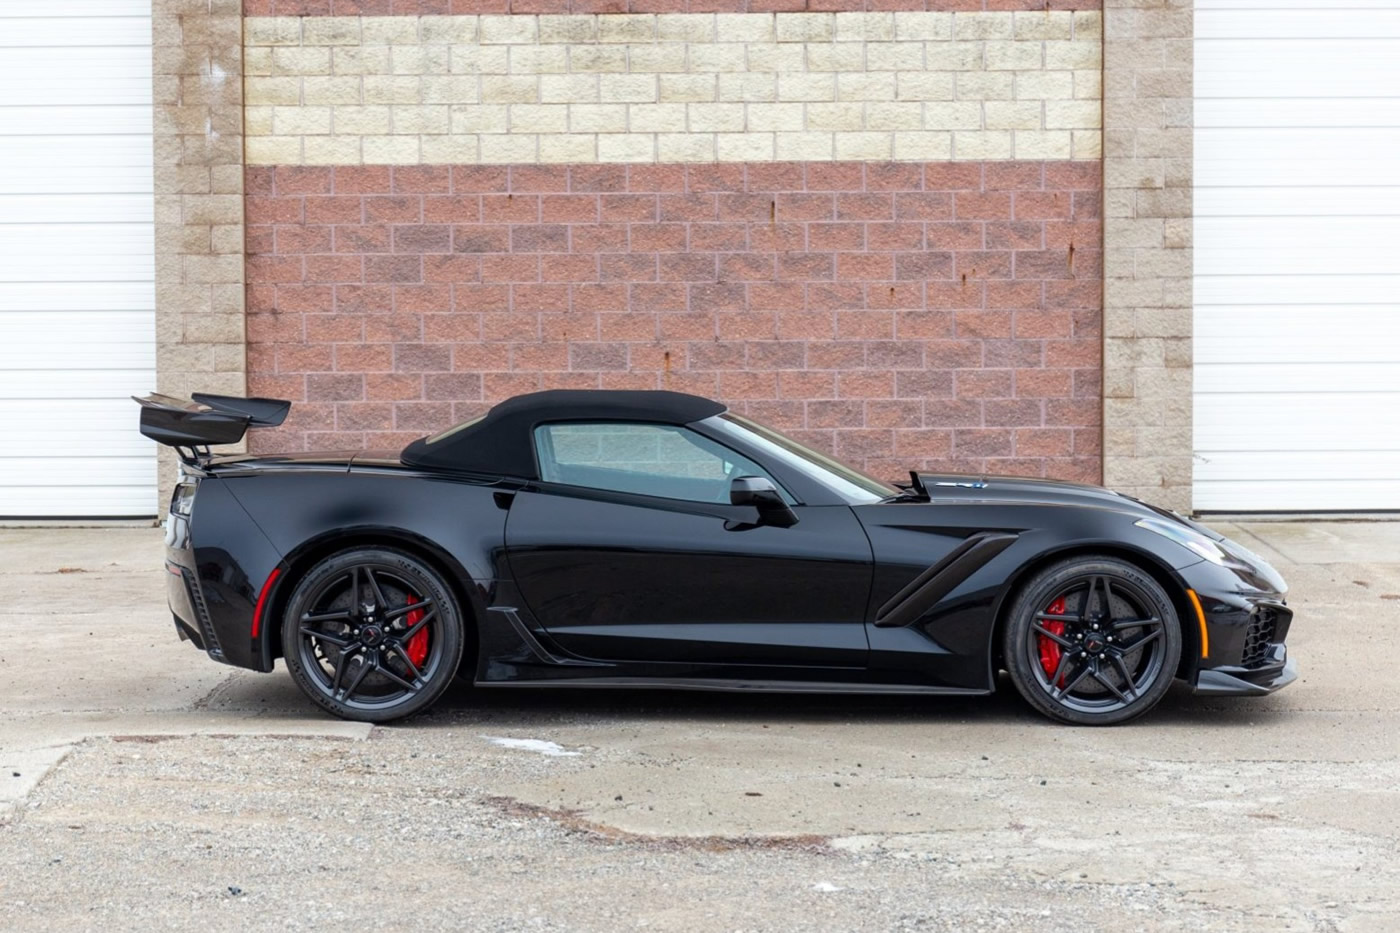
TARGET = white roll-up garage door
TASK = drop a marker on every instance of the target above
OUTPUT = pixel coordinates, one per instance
(77, 260)
(1297, 255)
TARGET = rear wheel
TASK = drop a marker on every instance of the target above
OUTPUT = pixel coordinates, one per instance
(372, 634)
(1092, 641)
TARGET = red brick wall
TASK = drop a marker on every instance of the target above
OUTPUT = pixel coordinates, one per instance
(940, 316)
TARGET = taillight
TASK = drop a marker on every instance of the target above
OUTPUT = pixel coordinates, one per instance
(183, 501)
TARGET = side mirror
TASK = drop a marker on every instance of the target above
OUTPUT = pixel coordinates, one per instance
(760, 493)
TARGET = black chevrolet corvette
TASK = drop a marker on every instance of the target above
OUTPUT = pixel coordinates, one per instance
(652, 539)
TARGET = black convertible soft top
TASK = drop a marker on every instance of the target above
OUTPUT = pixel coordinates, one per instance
(502, 441)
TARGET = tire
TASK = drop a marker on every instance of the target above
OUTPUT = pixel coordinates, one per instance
(374, 658)
(1078, 664)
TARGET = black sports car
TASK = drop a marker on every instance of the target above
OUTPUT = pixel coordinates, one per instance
(625, 539)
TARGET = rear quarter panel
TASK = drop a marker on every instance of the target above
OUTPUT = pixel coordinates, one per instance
(305, 515)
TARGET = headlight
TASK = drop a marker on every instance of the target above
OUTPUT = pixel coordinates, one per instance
(1186, 537)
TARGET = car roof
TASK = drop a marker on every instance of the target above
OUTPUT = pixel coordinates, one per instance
(502, 442)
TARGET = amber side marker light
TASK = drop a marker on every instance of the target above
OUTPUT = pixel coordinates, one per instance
(1200, 620)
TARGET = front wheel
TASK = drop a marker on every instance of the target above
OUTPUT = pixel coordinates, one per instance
(1092, 641)
(372, 634)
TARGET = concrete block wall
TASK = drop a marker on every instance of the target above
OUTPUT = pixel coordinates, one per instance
(1148, 100)
(877, 229)
(199, 235)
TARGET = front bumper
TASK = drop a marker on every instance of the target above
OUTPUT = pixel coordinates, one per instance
(1247, 682)
(1243, 645)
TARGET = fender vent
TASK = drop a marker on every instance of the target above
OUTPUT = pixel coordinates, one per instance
(1260, 635)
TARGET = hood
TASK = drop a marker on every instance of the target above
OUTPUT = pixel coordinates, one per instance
(1024, 489)
(1016, 490)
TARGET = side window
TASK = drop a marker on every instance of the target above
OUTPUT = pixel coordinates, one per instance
(646, 459)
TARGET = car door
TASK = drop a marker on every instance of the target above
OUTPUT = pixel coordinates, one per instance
(628, 550)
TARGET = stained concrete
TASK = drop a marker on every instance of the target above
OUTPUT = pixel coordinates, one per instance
(688, 811)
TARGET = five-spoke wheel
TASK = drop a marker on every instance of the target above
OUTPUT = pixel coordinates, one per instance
(1093, 641)
(372, 634)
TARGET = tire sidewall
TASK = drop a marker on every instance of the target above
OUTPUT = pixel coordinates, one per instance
(1037, 592)
(451, 630)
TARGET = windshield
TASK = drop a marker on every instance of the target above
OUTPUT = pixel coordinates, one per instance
(846, 482)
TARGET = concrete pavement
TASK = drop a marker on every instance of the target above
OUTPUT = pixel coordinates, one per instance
(680, 811)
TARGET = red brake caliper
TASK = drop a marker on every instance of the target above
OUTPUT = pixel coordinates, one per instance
(417, 647)
(1049, 651)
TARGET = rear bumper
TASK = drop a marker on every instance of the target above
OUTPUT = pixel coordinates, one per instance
(207, 583)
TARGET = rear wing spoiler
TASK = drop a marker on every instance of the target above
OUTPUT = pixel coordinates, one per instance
(192, 426)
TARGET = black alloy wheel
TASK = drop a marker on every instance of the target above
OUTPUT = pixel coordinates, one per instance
(372, 634)
(1092, 641)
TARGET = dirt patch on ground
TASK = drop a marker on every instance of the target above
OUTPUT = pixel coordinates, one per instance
(572, 821)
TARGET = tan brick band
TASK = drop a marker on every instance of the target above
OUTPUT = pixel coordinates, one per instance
(198, 180)
(434, 7)
(1147, 244)
(692, 87)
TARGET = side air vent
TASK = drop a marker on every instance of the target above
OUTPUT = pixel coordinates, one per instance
(211, 641)
(1259, 636)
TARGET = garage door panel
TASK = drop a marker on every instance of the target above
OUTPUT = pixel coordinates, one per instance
(47, 120)
(42, 91)
(1218, 173)
(70, 164)
(1292, 377)
(1311, 322)
(1298, 334)
(30, 32)
(1297, 421)
(88, 341)
(78, 444)
(49, 8)
(70, 427)
(1375, 288)
(1298, 201)
(1315, 21)
(102, 297)
(1270, 233)
(86, 501)
(1299, 260)
(77, 268)
(1272, 5)
(77, 414)
(1236, 112)
(76, 384)
(50, 252)
(62, 471)
(1300, 143)
(1266, 465)
(1297, 234)
(1250, 79)
(77, 208)
(1316, 495)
